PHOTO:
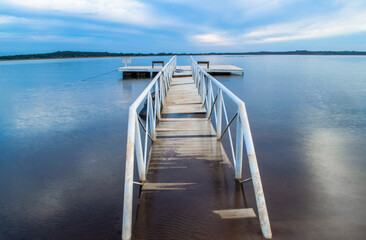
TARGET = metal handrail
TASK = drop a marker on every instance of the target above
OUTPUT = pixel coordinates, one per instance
(243, 135)
(160, 85)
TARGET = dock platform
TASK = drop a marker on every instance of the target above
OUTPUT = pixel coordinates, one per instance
(149, 71)
(183, 166)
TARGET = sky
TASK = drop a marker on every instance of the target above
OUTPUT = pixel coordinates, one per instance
(153, 26)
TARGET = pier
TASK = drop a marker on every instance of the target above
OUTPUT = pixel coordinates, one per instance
(180, 159)
(151, 71)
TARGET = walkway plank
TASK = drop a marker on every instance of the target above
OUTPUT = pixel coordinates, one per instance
(183, 98)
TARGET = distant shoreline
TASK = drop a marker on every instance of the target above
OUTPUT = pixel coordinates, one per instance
(77, 54)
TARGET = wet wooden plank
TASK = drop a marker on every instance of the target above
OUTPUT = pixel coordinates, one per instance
(236, 213)
(184, 86)
(165, 186)
(182, 80)
(191, 108)
(184, 124)
(180, 73)
(186, 98)
(183, 98)
(191, 147)
(182, 119)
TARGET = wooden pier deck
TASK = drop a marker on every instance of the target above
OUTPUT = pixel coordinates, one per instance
(189, 188)
(185, 195)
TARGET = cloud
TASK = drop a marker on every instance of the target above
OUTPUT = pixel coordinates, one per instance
(30, 23)
(52, 24)
(122, 11)
(5, 35)
(347, 21)
(348, 18)
(212, 39)
(253, 8)
(230, 6)
(5, 19)
(58, 38)
(232, 24)
(43, 38)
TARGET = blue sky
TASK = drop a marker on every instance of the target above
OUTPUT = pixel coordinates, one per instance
(37, 26)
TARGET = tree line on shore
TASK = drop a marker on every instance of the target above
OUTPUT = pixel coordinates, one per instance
(78, 54)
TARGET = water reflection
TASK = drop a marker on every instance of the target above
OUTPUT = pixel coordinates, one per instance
(61, 152)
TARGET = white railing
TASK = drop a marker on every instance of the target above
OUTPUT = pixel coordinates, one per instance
(215, 104)
(135, 145)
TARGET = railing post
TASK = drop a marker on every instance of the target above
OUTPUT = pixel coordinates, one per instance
(162, 89)
(200, 88)
(152, 119)
(128, 191)
(209, 97)
(239, 145)
(164, 85)
(197, 74)
(202, 84)
(198, 80)
(166, 77)
(219, 114)
(193, 68)
(148, 123)
(256, 179)
(157, 101)
(203, 88)
(139, 153)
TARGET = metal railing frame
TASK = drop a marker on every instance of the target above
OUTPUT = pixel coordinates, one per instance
(205, 83)
(160, 85)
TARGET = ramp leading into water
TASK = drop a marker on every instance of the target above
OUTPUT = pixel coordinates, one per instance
(183, 167)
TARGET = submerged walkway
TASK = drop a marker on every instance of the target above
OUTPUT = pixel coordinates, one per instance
(187, 188)
(186, 177)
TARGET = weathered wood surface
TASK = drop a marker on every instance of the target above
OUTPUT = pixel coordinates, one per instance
(183, 97)
(187, 195)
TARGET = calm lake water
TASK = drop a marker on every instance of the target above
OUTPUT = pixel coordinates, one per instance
(62, 143)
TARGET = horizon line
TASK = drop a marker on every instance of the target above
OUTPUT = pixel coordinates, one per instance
(81, 54)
